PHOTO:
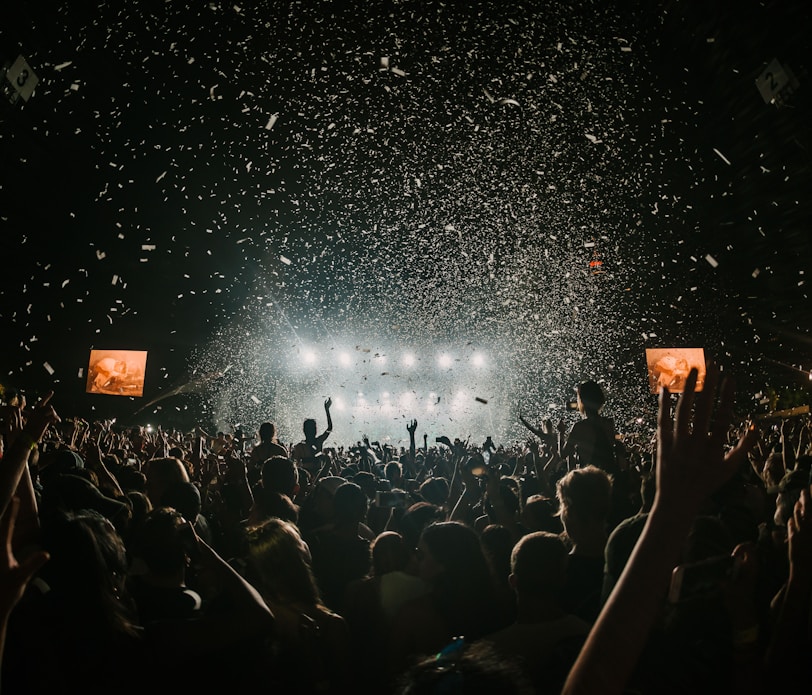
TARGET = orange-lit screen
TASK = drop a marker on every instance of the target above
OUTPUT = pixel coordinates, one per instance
(117, 372)
(670, 367)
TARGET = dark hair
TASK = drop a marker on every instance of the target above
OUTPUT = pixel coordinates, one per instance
(537, 562)
(185, 497)
(389, 553)
(87, 568)
(591, 395)
(159, 542)
(463, 593)
(279, 475)
(416, 518)
(267, 432)
(350, 503)
(475, 669)
(434, 490)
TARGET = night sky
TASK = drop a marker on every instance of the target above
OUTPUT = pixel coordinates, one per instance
(232, 185)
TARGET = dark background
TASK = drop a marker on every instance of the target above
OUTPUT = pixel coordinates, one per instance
(456, 206)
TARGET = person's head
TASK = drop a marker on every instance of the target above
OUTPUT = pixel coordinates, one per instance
(416, 518)
(540, 513)
(279, 475)
(280, 562)
(434, 491)
(185, 497)
(590, 397)
(773, 470)
(367, 482)
(162, 542)
(267, 432)
(87, 570)
(475, 669)
(452, 549)
(538, 565)
(350, 504)
(451, 561)
(394, 473)
(161, 474)
(497, 543)
(273, 504)
(509, 494)
(584, 498)
(389, 553)
(309, 428)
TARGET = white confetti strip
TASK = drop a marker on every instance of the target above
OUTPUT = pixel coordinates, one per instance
(722, 157)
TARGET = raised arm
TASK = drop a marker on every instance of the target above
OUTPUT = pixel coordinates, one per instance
(27, 434)
(411, 428)
(691, 464)
(327, 404)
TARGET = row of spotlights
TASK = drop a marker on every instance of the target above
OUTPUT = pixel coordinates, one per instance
(444, 360)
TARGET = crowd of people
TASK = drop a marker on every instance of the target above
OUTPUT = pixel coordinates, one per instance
(578, 561)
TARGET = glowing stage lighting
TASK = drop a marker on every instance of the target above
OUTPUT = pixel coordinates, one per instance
(344, 359)
(444, 361)
(408, 360)
(478, 360)
(309, 356)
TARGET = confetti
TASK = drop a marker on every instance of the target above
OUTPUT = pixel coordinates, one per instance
(722, 157)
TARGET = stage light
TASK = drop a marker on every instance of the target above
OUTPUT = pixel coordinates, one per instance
(338, 402)
(345, 359)
(444, 361)
(408, 360)
(478, 360)
(309, 356)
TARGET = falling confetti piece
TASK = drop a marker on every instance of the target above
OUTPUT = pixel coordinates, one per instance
(48, 368)
(713, 262)
(722, 157)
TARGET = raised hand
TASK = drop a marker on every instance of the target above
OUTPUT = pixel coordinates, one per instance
(691, 458)
(40, 417)
(328, 403)
(411, 427)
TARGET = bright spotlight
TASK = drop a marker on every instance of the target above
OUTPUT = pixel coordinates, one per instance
(309, 356)
(408, 360)
(345, 359)
(444, 361)
(478, 360)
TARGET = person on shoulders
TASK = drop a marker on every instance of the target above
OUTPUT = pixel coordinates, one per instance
(305, 453)
(591, 441)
